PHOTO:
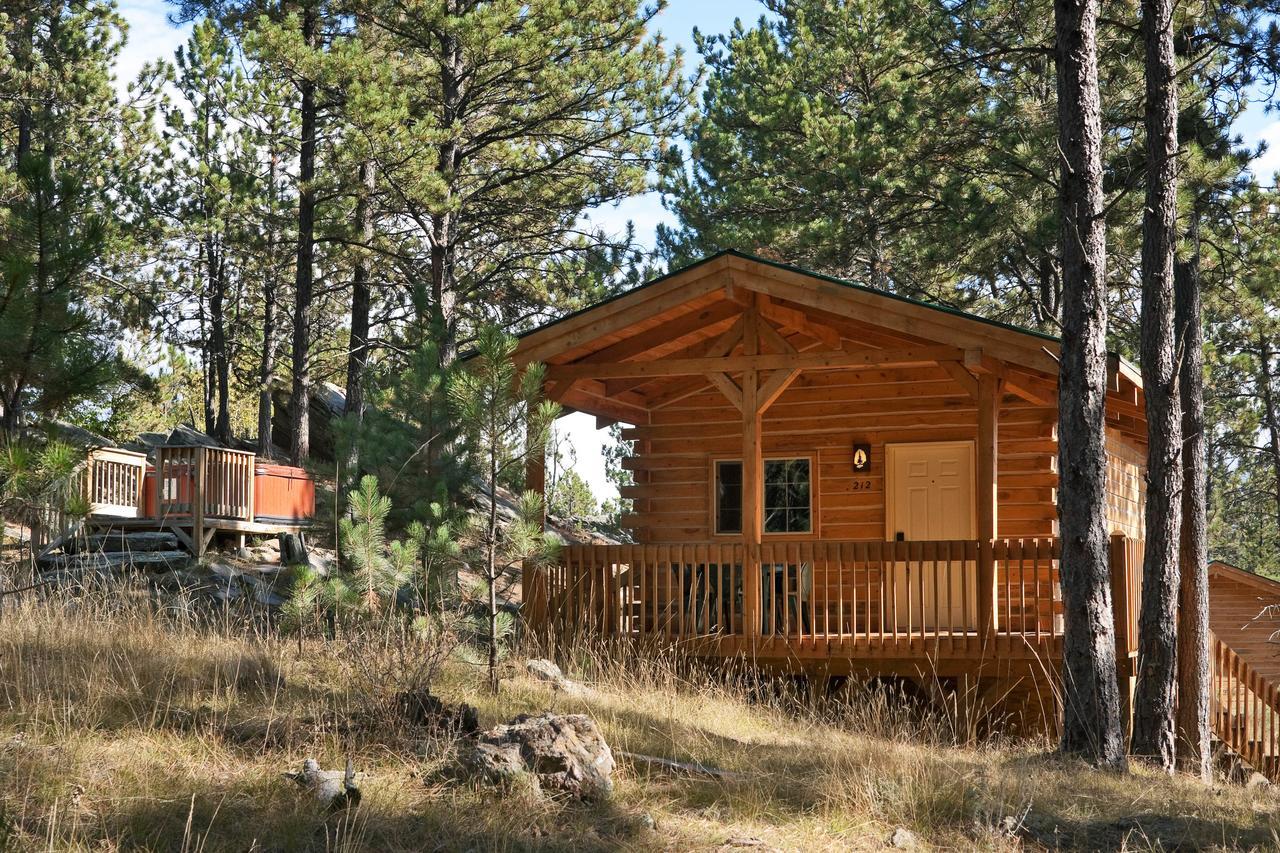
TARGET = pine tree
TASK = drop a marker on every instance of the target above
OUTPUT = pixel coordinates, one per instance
(378, 568)
(1154, 697)
(493, 182)
(825, 140)
(65, 175)
(503, 419)
(1091, 702)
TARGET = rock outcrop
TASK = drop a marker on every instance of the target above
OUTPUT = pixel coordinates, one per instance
(553, 752)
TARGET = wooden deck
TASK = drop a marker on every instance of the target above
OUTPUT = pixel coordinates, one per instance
(192, 491)
(909, 609)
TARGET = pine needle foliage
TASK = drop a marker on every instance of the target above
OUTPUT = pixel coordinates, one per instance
(378, 568)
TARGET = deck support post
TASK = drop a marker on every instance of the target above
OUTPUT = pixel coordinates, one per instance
(988, 503)
(533, 578)
(199, 480)
(752, 481)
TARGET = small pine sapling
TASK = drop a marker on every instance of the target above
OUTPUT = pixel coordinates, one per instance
(504, 420)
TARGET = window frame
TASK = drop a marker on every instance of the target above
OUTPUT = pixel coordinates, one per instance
(814, 493)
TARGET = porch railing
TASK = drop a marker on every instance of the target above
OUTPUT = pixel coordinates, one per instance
(855, 592)
(113, 482)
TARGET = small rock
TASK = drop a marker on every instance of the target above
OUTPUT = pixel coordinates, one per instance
(1008, 826)
(223, 570)
(647, 822)
(333, 789)
(746, 842)
(903, 839)
(545, 670)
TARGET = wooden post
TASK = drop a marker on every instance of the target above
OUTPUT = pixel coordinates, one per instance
(251, 508)
(1120, 614)
(752, 482)
(533, 581)
(197, 501)
(987, 510)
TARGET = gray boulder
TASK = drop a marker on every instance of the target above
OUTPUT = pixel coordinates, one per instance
(554, 752)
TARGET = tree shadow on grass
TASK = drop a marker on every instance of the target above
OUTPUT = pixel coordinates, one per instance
(186, 807)
(948, 793)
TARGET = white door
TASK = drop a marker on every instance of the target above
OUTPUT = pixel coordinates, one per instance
(930, 496)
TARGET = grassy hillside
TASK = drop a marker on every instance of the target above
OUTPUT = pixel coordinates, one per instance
(125, 726)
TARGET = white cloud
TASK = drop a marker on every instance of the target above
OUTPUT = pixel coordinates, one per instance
(150, 37)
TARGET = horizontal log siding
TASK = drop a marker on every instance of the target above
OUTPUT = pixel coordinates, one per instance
(1126, 487)
(821, 415)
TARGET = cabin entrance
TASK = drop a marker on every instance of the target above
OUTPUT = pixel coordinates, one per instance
(929, 495)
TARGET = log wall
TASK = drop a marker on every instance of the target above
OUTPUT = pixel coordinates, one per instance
(1126, 488)
(821, 416)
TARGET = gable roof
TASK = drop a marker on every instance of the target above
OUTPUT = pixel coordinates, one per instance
(677, 316)
(1130, 371)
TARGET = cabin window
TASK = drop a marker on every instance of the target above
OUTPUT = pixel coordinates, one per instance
(788, 505)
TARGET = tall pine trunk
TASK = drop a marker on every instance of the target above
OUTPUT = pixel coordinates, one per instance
(1193, 591)
(267, 364)
(1270, 416)
(300, 399)
(1155, 697)
(358, 352)
(221, 360)
(1091, 706)
(443, 320)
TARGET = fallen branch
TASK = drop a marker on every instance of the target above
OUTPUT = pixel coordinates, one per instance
(684, 768)
(28, 588)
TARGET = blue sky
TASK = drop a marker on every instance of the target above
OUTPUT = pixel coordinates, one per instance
(152, 36)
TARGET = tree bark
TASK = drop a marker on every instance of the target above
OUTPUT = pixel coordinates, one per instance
(443, 320)
(267, 366)
(1156, 693)
(1091, 708)
(1193, 591)
(218, 350)
(300, 399)
(358, 352)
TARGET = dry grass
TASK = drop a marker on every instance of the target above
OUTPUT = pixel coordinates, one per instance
(125, 726)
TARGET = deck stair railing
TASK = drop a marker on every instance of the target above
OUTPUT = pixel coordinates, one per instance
(109, 481)
(113, 482)
(1244, 709)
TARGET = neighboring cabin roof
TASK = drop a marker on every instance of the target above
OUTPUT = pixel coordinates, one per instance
(1262, 583)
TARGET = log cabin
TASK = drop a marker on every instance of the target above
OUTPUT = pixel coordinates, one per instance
(835, 480)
